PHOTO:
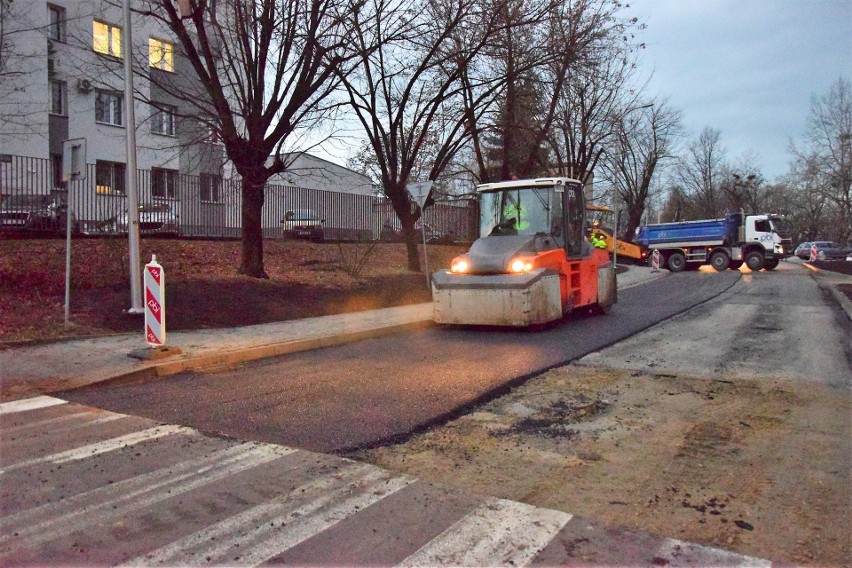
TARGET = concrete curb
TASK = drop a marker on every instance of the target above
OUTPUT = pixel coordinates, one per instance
(829, 283)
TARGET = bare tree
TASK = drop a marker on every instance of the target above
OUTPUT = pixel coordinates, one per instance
(743, 184)
(698, 175)
(564, 66)
(643, 142)
(267, 70)
(826, 160)
(406, 93)
(22, 95)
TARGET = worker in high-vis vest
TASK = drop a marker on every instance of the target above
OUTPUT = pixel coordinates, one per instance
(598, 241)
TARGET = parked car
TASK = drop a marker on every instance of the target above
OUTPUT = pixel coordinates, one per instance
(827, 250)
(303, 224)
(154, 219)
(33, 212)
(803, 251)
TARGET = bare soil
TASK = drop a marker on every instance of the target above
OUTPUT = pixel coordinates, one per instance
(757, 467)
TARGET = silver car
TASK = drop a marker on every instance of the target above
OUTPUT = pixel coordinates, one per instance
(154, 219)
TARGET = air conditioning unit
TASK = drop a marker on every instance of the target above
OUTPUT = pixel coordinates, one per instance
(84, 85)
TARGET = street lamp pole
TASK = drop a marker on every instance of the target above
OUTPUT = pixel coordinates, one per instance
(136, 306)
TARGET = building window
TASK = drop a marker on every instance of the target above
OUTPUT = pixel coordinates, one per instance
(107, 38)
(160, 54)
(109, 177)
(164, 183)
(211, 186)
(163, 119)
(108, 108)
(56, 23)
(58, 98)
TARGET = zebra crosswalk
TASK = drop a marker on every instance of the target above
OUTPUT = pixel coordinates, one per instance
(84, 486)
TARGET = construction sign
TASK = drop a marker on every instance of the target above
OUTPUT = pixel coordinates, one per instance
(155, 304)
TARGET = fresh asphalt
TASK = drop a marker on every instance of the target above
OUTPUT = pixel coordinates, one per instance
(380, 390)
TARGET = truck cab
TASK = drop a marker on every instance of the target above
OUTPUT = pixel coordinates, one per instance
(772, 232)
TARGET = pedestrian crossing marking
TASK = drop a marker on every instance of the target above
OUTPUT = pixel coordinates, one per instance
(498, 533)
(267, 530)
(26, 404)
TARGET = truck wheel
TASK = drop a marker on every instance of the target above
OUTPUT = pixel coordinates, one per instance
(771, 264)
(676, 262)
(719, 261)
(754, 260)
(735, 264)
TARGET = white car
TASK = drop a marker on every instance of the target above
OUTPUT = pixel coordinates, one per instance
(154, 219)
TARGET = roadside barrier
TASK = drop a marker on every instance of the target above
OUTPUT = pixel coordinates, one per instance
(155, 304)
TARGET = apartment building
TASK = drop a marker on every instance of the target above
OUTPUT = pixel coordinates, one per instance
(62, 78)
(68, 82)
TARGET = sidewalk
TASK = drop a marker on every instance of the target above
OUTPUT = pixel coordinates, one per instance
(30, 371)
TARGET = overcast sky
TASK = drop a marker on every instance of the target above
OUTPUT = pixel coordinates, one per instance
(747, 68)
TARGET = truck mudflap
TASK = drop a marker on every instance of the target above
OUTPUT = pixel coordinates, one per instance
(496, 299)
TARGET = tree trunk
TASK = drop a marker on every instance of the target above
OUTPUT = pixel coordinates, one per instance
(634, 217)
(252, 230)
(411, 240)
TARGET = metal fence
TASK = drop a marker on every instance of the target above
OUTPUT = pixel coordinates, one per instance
(207, 206)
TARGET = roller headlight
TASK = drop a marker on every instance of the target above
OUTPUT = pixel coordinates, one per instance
(460, 266)
(520, 265)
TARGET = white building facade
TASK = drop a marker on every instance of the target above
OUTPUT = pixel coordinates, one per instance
(62, 78)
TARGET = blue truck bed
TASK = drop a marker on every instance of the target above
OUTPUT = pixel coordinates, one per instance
(707, 232)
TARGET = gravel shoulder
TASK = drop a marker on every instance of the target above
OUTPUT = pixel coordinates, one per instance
(754, 466)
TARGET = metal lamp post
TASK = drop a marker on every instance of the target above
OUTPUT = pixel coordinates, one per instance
(136, 306)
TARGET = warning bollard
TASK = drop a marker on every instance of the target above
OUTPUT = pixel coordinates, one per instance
(655, 261)
(155, 304)
(813, 256)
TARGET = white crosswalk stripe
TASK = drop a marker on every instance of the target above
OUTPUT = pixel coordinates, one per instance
(64, 423)
(34, 526)
(677, 553)
(26, 404)
(267, 530)
(498, 533)
(97, 448)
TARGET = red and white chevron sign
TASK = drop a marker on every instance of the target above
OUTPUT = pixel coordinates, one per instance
(155, 303)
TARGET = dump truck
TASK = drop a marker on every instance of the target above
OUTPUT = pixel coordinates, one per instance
(532, 263)
(601, 225)
(759, 241)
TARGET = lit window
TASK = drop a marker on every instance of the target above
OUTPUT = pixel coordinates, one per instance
(107, 38)
(211, 185)
(160, 54)
(56, 23)
(163, 119)
(108, 108)
(58, 98)
(164, 183)
(109, 177)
